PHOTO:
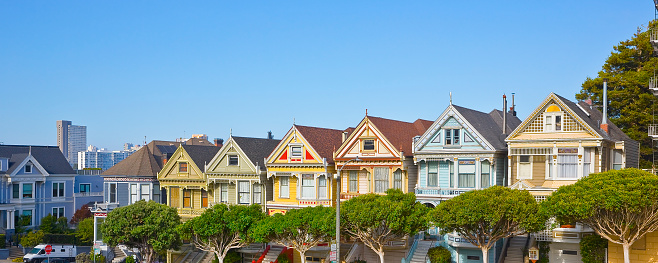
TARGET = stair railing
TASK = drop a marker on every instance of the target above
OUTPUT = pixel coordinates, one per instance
(260, 259)
(351, 252)
(410, 253)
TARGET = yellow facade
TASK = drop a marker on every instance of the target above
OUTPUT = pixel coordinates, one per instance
(644, 250)
(301, 177)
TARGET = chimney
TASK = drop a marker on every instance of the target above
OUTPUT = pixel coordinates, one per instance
(164, 161)
(513, 108)
(604, 122)
(269, 135)
(219, 142)
(504, 114)
(344, 136)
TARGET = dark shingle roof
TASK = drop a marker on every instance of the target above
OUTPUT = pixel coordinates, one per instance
(256, 149)
(323, 140)
(490, 126)
(147, 161)
(201, 154)
(400, 133)
(49, 157)
(594, 120)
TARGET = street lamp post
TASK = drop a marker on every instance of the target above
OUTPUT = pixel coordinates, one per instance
(338, 183)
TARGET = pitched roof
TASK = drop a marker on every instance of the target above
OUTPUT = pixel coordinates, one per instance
(149, 160)
(593, 118)
(201, 154)
(323, 140)
(256, 149)
(49, 157)
(490, 126)
(400, 133)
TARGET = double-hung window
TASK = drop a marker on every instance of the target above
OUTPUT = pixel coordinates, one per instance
(296, 151)
(58, 189)
(525, 167)
(308, 186)
(354, 181)
(204, 198)
(369, 145)
(28, 168)
(144, 190)
(284, 187)
(432, 174)
(182, 167)
(485, 174)
(552, 121)
(27, 190)
(397, 179)
(15, 191)
(223, 196)
(257, 194)
(322, 187)
(567, 163)
(232, 160)
(58, 212)
(452, 136)
(133, 193)
(85, 188)
(617, 160)
(381, 179)
(113, 193)
(187, 198)
(243, 192)
(466, 177)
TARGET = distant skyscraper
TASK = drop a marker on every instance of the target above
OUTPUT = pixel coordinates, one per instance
(71, 139)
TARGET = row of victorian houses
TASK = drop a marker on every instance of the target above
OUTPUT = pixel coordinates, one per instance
(462, 150)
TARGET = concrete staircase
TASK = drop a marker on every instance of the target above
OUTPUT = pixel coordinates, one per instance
(515, 249)
(119, 256)
(272, 254)
(195, 256)
(421, 251)
(15, 252)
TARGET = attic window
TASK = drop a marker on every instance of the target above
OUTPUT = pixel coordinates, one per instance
(182, 167)
(232, 160)
(296, 151)
(28, 169)
(368, 145)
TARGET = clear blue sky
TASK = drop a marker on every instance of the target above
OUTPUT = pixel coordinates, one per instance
(168, 69)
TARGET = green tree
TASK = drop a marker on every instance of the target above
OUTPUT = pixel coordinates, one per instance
(300, 229)
(222, 227)
(85, 231)
(33, 238)
(630, 101)
(377, 219)
(483, 217)
(619, 205)
(52, 225)
(147, 226)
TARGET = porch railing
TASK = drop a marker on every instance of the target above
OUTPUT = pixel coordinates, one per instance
(653, 130)
(440, 191)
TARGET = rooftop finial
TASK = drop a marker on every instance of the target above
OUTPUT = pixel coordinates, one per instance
(366, 112)
(293, 120)
(451, 98)
(231, 132)
(30, 150)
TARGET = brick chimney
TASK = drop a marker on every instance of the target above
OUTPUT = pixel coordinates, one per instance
(219, 142)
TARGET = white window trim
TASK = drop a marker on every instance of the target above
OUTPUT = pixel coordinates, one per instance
(79, 190)
(109, 193)
(53, 188)
(229, 160)
(58, 207)
(452, 137)
(130, 193)
(326, 183)
(25, 168)
(300, 187)
(281, 186)
(374, 145)
(301, 151)
(149, 191)
(553, 125)
(518, 168)
(34, 192)
(249, 193)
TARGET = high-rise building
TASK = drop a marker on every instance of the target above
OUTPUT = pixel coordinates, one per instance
(103, 159)
(71, 139)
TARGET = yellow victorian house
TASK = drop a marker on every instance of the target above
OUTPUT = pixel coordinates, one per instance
(237, 173)
(184, 179)
(302, 167)
(559, 143)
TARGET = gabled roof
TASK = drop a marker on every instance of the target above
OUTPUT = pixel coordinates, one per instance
(256, 149)
(49, 157)
(322, 140)
(399, 133)
(593, 118)
(149, 160)
(490, 126)
(201, 154)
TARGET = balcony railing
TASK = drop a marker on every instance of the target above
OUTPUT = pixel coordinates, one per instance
(456, 240)
(653, 130)
(653, 85)
(191, 211)
(436, 191)
(654, 39)
(85, 194)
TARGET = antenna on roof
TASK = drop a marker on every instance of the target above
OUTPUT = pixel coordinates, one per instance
(144, 139)
(451, 98)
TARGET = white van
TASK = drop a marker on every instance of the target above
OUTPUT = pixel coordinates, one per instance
(38, 253)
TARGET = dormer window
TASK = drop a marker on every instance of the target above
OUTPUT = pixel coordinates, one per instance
(296, 151)
(452, 136)
(28, 168)
(182, 167)
(369, 145)
(232, 160)
(553, 122)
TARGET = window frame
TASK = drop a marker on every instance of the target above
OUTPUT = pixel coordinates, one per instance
(556, 121)
(60, 192)
(133, 191)
(15, 191)
(204, 198)
(353, 183)
(23, 191)
(286, 185)
(242, 192)
(257, 194)
(183, 167)
(146, 193)
(521, 163)
(232, 162)
(110, 193)
(293, 153)
(81, 188)
(188, 198)
(378, 187)
(25, 170)
(452, 136)
(223, 192)
(370, 143)
(56, 214)
(322, 189)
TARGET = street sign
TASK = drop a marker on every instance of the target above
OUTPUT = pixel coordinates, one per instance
(332, 255)
(49, 249)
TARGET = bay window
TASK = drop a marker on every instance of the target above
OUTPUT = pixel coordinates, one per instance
(466, 177)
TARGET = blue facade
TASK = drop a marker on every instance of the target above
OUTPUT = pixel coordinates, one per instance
(88, 190)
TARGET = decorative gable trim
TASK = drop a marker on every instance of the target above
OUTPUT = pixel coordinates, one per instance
(177, 155)
(34, 162)
(294, 137)
(539, 110)
(436, 127)
(522, 185)
(355, 136)
(242, 157)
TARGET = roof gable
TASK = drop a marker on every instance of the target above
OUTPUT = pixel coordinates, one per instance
(251, 154)
(305, 153)
(541, 124)
(49, 158)
(184, 163)
(19, 169)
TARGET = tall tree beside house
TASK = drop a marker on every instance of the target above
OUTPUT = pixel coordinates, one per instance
(619, 205)
(376, 219)
(300, 229)
(222, 228)
(147, 226)
(630, 101)
(483, 217)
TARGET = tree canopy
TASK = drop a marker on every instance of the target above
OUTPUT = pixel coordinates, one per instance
(485, 216)
(630, 101)
(300, 229)
(619, 205)
(377, 219)
(147, 226)
(222, 227)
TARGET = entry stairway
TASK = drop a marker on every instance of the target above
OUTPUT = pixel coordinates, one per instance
(272, 254)
(421, 251)
(515, 249)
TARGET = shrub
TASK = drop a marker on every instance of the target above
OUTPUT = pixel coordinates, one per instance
(592, 249)
(32, 239)
(96, 258)
(130, 259)
(82, 258)
(18, 259)
(439, 255)
(59, 239)
(3, 241)
(283, 258)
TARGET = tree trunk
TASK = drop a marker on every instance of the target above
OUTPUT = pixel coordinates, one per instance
(381, 256)
(627, 256)
(303, 255)
(485, 255)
